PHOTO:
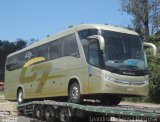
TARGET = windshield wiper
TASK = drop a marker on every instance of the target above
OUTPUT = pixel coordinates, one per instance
(127, 70)
(130, 67)
(133, 68)
(112, 69)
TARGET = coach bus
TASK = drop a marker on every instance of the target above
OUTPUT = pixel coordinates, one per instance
(88, 61)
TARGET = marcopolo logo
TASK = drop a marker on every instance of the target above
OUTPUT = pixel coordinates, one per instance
(28, 55)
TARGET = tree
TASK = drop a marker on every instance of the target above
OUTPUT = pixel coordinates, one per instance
(145, 13)
(32, 40)
(6, 48)
(154, 68)
(19, 44)
(154, 73)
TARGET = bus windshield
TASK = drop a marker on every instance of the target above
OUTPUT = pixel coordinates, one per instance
(124, 51)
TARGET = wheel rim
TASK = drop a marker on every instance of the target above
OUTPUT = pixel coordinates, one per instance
(75, 92)
(20, 97)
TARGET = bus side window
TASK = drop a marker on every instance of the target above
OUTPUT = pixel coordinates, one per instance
(70, 47)
(20, 60)
(10, 65)
(55, 50)
(30, 54)
(85, 44)
(83, 34)
(42, 51)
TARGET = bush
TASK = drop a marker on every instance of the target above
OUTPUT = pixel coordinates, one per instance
(154, 71)
(154, 74)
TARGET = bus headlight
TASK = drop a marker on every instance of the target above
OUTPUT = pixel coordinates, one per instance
(126, 82)
(146, 82)
(106, 77)
(109, 78)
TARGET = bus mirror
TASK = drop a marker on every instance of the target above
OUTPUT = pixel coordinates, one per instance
(100, 40)
(154, 48)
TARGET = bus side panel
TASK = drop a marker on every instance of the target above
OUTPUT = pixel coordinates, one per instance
(55, 83)
(11, 83)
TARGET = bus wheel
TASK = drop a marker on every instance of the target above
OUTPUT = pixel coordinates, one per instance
(74, 93)
(111, 100)
(64, 115)
(39, 112)
(20, 98)
(50, 114)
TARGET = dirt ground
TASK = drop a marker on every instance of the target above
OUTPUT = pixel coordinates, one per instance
(141, 104)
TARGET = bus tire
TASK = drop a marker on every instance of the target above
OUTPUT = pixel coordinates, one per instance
(50, 114)
(111, 100)
(74, 93)
(20, 98)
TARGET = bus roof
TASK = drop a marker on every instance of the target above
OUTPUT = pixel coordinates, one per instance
(73, 29)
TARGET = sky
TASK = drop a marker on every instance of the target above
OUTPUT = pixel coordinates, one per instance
(36, 19)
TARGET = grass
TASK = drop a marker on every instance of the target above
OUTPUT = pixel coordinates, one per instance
(1, 97)
(137, 99)
(1, 92)
(1, 101)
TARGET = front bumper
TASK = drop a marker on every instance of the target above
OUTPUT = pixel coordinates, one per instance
(125, 88)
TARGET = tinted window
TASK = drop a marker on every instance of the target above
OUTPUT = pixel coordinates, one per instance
(55, 48)
(20, 60)
(70, 47)
(85, 33)
(43, 51)
(49, 51)
(30, 54)
(94, 54)
(10, 65)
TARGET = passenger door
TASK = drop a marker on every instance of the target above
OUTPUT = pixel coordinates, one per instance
(93, 68)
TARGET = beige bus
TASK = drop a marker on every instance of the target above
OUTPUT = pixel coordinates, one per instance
(88, 61)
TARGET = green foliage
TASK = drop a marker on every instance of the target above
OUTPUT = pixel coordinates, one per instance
(6, 48)
(145, 13)
(154, 74)
(136, 99)
(155, 39)
(154, 68)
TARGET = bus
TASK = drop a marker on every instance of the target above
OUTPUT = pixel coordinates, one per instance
(87, 61)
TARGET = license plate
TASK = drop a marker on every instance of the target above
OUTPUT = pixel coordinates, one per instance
(130, 89)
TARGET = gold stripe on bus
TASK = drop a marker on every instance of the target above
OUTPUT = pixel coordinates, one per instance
(34, 60)
(41, 79)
